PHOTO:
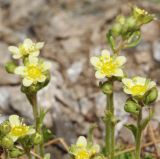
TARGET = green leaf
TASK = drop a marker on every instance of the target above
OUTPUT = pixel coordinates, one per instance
(133, 128)
(111, 40)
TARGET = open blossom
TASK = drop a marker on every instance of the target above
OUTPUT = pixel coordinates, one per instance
(18, 128)
(107, 65)
(34, 71)
(27, 48)
(137, 86)
(83, 150)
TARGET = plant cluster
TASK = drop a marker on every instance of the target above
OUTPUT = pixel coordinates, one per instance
(17, 138)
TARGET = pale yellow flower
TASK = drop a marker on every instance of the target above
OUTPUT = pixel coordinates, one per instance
(33, 71)
(137, 86)
(82, 150)
(107, 65)
(27, 48)
(18, 128)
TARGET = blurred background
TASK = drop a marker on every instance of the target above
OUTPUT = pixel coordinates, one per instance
(73, 31)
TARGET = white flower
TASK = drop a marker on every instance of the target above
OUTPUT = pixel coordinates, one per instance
(27, 48)
(107, 65)
(33, 71)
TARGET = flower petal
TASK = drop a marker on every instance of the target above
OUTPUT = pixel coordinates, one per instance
(127, 91)
(118, 72)
(35, 53)
(27, 43)
(19, 70)
(99, 75)
(13, 49)
(94, 61)
(81, 142)
(105, 55)
(27, 82)
(46, 66)
(120, 60)
(14, 120)
(42, 78)
(31, 131)
(139, 80)
(33, 60)
(152, 84)
(39, 45)
(127, 82)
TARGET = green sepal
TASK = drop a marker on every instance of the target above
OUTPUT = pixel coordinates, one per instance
(133, 39)
(151, 96)
(132, 128)
(132, 106)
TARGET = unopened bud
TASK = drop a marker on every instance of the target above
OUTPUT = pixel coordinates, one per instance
(151, 96)
(5, 128)
(116, 29)
(37, 138)
(10, 66)
(15, 152)
(106, 87)
(132, 107)
(7, 142)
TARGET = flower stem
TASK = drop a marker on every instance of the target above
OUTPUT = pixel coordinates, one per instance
(110, 126)
(33, 100)
(138, 136)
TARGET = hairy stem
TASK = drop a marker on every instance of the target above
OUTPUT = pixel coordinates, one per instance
(33, 100)
(138, 136)
(110, 127)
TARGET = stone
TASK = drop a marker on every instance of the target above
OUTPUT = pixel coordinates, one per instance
(74, 70)
(156, 50)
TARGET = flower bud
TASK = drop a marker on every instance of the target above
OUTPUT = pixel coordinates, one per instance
(131, 23)
(37, 139)
(151, 96)
(5, 128)
(116, 29)
(7, 142)
(106, 87)
(10, 66)
(132, 107)
(15, 152)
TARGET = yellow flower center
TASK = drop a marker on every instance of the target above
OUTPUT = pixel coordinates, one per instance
(34, 72)
(138, 89)
(82, 154)
(19, 130)
(108, 68)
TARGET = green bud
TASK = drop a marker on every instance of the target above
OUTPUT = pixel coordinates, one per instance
(5, 128)
(132, 107)
(15, 152)
(116, 29)
(131, 23)
(151, 96)
(106, 87)
(10, 66)
(7, 142)
(37, 139)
